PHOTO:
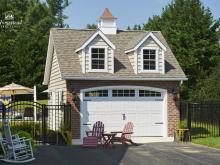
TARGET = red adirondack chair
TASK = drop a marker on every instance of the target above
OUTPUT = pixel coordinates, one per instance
(94, 136)
(125, 134)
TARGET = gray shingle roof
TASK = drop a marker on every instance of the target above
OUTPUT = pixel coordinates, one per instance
(66, 41)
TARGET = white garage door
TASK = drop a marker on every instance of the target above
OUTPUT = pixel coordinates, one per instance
(117, 106)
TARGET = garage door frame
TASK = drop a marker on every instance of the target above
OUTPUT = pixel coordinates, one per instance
(163, 92)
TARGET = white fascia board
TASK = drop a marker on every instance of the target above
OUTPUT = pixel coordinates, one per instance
(49, 58)
(150, 34)
(127, 78)
(101, 34)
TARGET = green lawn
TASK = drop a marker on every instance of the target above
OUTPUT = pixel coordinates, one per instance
(209, 141)
(43, 102)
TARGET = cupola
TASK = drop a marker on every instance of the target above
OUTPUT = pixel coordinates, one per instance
(107, 23)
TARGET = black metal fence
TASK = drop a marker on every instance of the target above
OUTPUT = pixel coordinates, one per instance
(202, 119)
(44, 123)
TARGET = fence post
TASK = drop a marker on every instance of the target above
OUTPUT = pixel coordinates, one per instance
(189, 116)
(3, 111)
(219, 120)
(44, 124)
(70, 117)
(3, 115)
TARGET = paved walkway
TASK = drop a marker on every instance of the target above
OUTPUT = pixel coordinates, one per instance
(152, 154)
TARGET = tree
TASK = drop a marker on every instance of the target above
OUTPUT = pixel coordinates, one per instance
(56, 8)
(193, 36)
(23, 49)
(128, 28)
(208, 90)
(91, 26)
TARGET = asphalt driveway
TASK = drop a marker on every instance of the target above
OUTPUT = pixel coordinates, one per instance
(152, 154)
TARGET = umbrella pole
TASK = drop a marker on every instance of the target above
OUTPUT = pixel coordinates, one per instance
(35, 106)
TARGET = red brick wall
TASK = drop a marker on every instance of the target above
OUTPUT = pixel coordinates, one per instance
(77, 85)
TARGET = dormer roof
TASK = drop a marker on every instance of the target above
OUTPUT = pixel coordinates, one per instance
(98, 32)
(136, 43)
(107, 14)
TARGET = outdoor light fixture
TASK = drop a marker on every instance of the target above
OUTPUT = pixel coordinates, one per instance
(174, 92)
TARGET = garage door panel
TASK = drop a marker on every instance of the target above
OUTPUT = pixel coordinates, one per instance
(145, 113)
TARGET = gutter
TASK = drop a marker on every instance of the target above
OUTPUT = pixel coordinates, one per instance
(126, 78)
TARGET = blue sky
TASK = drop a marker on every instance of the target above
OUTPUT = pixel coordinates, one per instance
(128, 12)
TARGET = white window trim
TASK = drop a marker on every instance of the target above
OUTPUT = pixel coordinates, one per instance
(110, 88)
(90, 59)
(157, 60)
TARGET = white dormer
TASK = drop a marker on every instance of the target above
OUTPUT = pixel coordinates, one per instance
(148, 55)
(97, 54)
(107, 23)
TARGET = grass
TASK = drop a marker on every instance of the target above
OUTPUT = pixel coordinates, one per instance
(43, 102)
(209, 141)
(201, 129)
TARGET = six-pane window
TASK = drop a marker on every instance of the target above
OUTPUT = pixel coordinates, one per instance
(147, 93)
(98, 93)
(149, 59)
(123, 93)
(98, 58)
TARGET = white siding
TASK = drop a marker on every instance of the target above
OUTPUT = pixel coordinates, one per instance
(57, 92)
(150, 43)
(131, 57)
(56, 84)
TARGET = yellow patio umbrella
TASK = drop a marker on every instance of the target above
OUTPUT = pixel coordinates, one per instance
(15, 89)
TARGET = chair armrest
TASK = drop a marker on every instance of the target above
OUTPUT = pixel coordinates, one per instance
(127, 133)
(117, 132)
(88, 133)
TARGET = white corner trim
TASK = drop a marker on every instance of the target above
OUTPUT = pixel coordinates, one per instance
(135, 62)
(165, 116)
(83, 61)
(150, 34)
(113, 62)
(157, 60)
(90, 59)
(49, 59)
(101, 34)
(163, 57)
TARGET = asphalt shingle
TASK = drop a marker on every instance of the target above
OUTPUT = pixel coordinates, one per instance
(66, 41)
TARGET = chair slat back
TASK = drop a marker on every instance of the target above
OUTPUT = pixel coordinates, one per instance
(7, 132)
(127, 128)
(98, 129)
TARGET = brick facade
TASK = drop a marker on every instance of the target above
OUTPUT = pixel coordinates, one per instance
(76, 85)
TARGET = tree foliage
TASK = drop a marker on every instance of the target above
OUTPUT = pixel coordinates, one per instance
(193, 36)
(209, 89)
(23, 48)
(91, 26)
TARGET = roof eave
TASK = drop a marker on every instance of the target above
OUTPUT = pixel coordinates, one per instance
(128, 78)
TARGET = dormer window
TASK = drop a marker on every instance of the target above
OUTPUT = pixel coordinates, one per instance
(98, 59)
(149, 59)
